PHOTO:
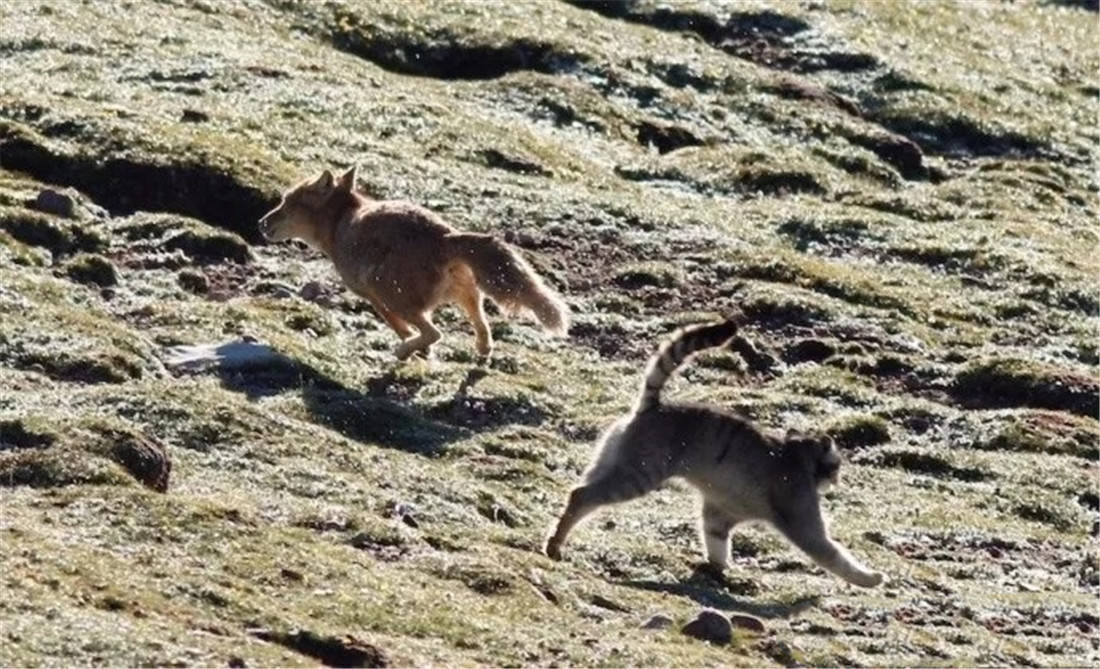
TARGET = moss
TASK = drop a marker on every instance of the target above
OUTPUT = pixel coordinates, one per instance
(1045, 432)
(37, 229)
(210, 246)
(929, 463)
(113, 367)
(858, 431)
(640, 275)
(20, 253)
(92, 269)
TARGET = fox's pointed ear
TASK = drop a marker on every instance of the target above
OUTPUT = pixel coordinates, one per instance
(347, 179)
(325, 181)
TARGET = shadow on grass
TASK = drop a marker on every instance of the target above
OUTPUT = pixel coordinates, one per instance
(713, 591)
(259, 371)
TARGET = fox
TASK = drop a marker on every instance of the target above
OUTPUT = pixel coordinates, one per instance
(741, 473)
(406, 261)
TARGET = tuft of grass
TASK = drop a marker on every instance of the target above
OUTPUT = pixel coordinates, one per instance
(92, 269)
(859, 431)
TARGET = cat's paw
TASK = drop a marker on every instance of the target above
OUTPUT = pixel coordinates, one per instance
(869, 580)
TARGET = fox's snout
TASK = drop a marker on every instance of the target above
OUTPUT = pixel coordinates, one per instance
(267, 224)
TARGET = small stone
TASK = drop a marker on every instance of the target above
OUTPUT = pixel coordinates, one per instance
(746, 622)
(657, 622)
(311, 291)
(56, 202)
(709, 626)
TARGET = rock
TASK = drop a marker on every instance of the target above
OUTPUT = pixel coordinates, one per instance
(657, 622)
(311, 291)
(809, 350)
(746, 622)
(92, 269)
(56, 202)
(709, 626)
(193, 282)
(194, 116)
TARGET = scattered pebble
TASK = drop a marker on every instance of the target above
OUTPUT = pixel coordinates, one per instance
(657, 622)
(709, 626)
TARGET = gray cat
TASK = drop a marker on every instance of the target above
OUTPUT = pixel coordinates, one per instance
(741, 473)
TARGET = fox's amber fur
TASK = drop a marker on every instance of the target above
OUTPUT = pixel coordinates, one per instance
(406, 261)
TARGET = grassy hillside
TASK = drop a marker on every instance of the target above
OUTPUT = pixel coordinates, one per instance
(902, 197)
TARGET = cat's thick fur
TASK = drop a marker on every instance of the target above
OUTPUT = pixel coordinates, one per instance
(742, 473)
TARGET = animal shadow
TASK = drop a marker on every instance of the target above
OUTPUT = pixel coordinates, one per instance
(260, 371)
(713, 590)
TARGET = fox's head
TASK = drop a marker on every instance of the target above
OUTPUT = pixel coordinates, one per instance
(307, 207)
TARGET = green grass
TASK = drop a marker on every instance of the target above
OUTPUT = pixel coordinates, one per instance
(656, 180)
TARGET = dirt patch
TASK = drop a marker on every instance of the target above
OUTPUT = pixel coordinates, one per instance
(1045, 432)
(94, 368)
(331, 651)
(900, 152)
(929, 464)
(1002, 383)
(444, 55)
(666, 137)
(14, 435)
(794, 89)
(126, 185)
(146, 459)
(943, 134)
(763, 37)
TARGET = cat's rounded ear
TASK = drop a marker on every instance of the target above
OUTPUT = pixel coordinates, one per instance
(325, 182)
(347, 179)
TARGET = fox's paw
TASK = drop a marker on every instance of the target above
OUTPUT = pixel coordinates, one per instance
(552, 550)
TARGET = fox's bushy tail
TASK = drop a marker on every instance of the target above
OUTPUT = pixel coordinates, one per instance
(673, 353)
(508, 279)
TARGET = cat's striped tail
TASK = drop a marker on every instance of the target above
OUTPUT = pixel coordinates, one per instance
(673, 353)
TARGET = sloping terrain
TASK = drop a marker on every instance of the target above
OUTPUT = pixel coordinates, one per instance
(902, 198)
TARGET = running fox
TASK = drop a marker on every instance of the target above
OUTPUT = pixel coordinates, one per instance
(406, 261)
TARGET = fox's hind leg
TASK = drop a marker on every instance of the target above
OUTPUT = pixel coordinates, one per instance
(470, 299)
(429, 335)
(396, 323)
